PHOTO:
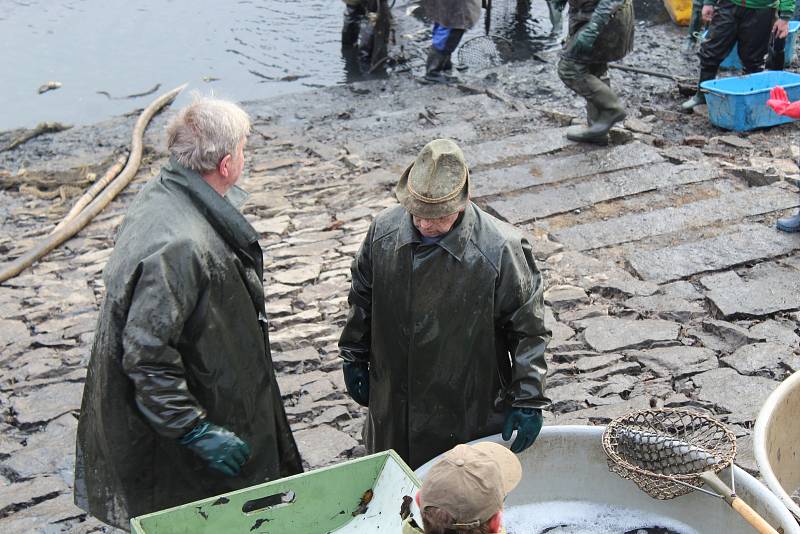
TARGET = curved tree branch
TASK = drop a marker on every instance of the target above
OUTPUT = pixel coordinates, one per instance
(97, 205)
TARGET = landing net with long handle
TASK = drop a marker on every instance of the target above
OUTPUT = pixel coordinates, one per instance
(665, 451)
(669, 453)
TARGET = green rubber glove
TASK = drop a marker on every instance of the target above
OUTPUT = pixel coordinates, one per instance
(527, 422)
(584, 41)
(356, 379)
(220, 448)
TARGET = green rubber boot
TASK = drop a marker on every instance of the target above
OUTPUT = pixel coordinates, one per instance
(607, 112)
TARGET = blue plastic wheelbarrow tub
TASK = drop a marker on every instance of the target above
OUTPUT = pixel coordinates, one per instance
(739, 103)
(732, 62)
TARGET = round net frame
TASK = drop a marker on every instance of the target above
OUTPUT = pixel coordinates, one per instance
(484, 51)
(665, 451)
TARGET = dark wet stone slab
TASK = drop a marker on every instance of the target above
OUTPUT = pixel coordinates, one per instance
(762, 358)
(637, 226)
(567, 197)
(323, 444)
(765, 289)
(517, 146)
(536, 204)
(740, 396)
(47, 403)
(748, 243)
(676, 361)
(606, 334)
(666, 307)
(49, 451)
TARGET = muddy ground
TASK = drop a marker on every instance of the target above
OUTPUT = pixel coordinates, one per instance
(667, 285)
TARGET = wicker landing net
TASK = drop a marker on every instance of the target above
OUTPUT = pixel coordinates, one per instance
(665, 451)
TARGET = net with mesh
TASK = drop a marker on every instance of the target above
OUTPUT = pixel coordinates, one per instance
(665, 451)
(484, 51)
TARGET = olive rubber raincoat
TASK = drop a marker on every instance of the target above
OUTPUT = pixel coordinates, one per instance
(453, 332)
(181, 336)
(616, 38)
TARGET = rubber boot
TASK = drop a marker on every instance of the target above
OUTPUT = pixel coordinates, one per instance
(609, 112)
(699, 97)
(351, 27)
(789, 224)
(435, 67)
(591, 112)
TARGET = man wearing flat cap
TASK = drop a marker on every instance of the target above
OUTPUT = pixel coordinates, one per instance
(445, 338)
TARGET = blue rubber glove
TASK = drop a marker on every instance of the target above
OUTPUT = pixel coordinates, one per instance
(220, 448)
(356, 378)
(527, 422)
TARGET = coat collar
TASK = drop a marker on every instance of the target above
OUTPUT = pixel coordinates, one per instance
(221, 213)
(455, 242)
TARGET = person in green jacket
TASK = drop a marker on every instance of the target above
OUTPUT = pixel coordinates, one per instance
(464, 491)
(750, 23)
(445, 340)
(181, 401)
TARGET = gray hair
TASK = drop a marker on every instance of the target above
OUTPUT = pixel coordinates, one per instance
(205, 131)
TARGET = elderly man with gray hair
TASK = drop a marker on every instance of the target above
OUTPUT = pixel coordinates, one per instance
(181, 401)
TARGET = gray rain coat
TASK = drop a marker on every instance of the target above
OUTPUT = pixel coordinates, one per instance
(453, 332)
(182, 335)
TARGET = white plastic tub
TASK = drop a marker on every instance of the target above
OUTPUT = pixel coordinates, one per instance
(567, 464)
(776, 441)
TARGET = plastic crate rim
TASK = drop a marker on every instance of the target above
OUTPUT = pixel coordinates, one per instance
(709, 86)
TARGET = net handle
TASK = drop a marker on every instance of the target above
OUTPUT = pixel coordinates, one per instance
(741, 507)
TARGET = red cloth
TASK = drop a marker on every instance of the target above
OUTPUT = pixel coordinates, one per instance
(779, 102)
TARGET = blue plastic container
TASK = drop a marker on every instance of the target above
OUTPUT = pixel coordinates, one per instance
(732, 62)
(739, 103)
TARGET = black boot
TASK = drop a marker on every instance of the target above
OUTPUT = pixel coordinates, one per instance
(351, 27)
(699, 97)
(608, 112)
(436, 66)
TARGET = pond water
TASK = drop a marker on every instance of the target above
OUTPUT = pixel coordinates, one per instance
(581, 517)
(240, 49)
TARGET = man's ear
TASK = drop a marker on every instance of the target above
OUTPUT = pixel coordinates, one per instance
(416, 498)
(496, 522)
(224, 164)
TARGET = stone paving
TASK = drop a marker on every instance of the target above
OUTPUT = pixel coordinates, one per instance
(667, 285)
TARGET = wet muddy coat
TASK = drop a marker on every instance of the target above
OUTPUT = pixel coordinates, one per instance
(454, 332)
(454, 14)
(181, 335)
(615, 40)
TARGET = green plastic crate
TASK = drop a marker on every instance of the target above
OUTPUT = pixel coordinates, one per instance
(317, 502)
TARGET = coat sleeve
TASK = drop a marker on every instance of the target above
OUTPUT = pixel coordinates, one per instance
(521, 319)
(167, 288)
(354, 343)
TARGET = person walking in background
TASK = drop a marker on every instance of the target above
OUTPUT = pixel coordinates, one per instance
(779, 102)
(599, 32)
(748, 23)
(451, 18)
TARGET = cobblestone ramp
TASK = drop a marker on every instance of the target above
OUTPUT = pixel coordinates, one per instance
(660, 262)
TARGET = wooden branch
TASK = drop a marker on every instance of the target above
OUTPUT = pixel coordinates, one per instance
(41, 129)
(97, 205)
(93, 191)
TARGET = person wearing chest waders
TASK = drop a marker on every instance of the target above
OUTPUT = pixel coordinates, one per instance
(600, 31)
(750, 24)
(445, 339)
(181, 401)
(463, 493)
